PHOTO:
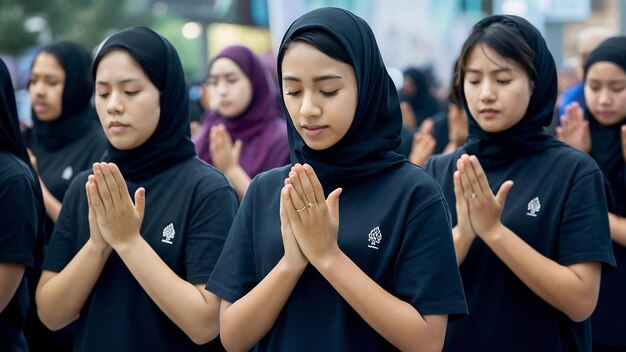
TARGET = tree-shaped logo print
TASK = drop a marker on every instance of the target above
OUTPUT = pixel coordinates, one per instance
(533, 207)
(168, 233)
(374, 237)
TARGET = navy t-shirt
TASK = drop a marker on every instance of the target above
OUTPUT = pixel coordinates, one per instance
(394, 226)
(20, 220)
(189, 210)
(558, 206)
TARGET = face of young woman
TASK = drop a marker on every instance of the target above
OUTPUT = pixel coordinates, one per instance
(47, 79)
(320, 94)
(497, 89)
(229, 88)
(605, 92)
(126, 101)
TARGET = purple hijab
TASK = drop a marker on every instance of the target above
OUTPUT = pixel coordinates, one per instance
(259, 127)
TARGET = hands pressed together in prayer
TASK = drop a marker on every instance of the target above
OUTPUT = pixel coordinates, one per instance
(478, 209)
(574, 129)
(309, 221)
(114, 220)
(224, 153)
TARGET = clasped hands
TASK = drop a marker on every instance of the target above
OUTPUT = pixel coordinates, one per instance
(309, 221)
(478, 209)
(114, 220)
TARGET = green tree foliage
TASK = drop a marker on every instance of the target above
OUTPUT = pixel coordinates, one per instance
(87, 22)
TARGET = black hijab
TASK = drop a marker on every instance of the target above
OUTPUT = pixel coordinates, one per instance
(369, 144)
(77, 115)
(424, 104)
(10, 136)
(606, 140)
(527, 136)
(170, 143)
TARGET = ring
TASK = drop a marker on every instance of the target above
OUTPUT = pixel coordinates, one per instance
(473, 195)
(311, 205)
(301, 210)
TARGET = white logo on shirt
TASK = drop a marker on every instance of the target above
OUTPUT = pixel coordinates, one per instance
(67, 173)
(533, 207)
(168, 234)
(374, 237)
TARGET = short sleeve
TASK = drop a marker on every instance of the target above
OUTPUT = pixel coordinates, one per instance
(426, 271)
(234, 274)
(63, 244)
(585, 235)
(19, 223)
(211, 219)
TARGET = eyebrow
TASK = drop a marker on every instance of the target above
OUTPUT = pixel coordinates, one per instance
(316, 79)
(503, 69)
(124, 81)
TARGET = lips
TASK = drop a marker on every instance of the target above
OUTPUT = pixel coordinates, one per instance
(40, 107)
(488, 112)
(313, 130)
(117, 127)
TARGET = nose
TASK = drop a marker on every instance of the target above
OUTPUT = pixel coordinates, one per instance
(487, 92)
(114, 105)
(310, 107)
(604, 97)
(221, 87)
(37, 88)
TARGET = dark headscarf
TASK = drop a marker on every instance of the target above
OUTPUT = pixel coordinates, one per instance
(606, 140)
(170, 143)
(369, 144)
(77, 115)
(10, 136)
(424, 104)
(251, 127)
(527, 136)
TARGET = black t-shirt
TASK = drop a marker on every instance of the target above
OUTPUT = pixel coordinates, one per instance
(558, 206)
(19, 225)
(189, 210)
(394, 226)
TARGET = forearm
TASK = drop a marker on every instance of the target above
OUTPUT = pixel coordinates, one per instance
(239, 179)
(248, 319)
(450, 147)
(462, 244)
(61, 296)
(618, 229)
(195, 313)
(395, 320)
(10, 278)
(53, 206)
(558, 285)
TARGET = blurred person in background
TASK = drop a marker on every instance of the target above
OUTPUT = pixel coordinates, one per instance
(600, 131)
(65, 139)
(243, 133)
(416, 98)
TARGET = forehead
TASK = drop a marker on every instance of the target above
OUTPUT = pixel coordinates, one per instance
(606, 70)
(482, 57)
(302, 59)
(118, 63)
(47, 62)
(225, 65)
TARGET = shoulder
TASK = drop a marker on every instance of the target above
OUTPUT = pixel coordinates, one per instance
(197, 172)
(12, 167)
(272, 177)
(443, 163)
(567, 158)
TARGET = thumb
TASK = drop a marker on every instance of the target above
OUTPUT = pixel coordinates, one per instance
(237, 147)
(503, 192)
(333, 203)
(140, 201)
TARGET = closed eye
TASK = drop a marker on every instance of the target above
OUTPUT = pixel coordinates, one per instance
(330, 94)
(294, 93)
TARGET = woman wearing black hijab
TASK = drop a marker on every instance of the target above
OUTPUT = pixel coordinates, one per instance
(599, 133)
(65, 138)
(530, 267)
(303, 270)
(133, 273)
(417, 98)
(21, 220)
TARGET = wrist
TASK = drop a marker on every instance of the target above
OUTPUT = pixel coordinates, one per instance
(232, 171)
(288, 269)
(328, 260)
(98, 249)
(493, 233)
(127, 244)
